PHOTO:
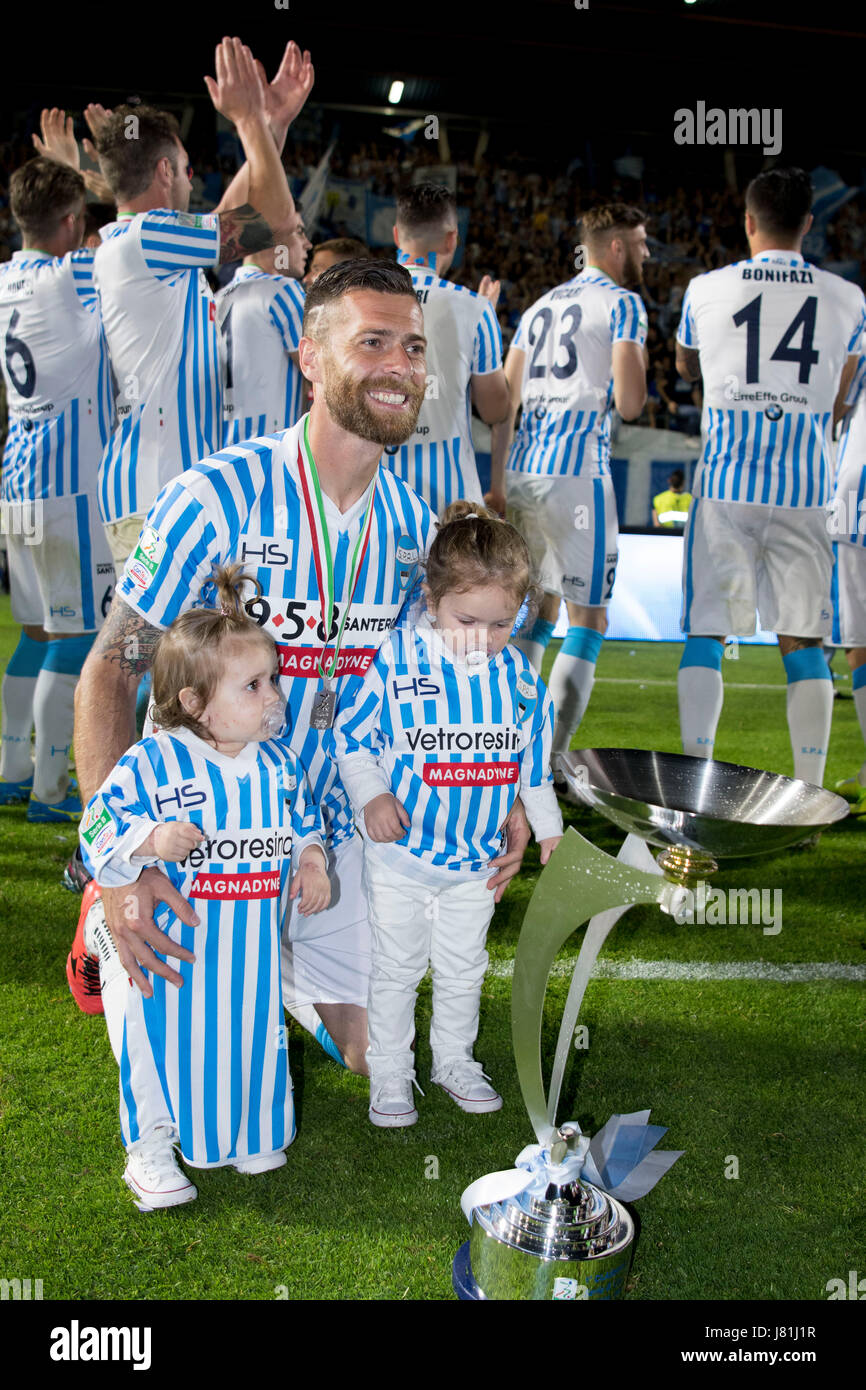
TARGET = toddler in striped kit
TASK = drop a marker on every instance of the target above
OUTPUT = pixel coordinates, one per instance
(221, 806)
(450, 725)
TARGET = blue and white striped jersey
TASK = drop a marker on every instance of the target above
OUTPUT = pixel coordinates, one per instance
(212, 1048)
(245, 505)
(773, 334)
(260, 319)
(455, 744)
(58, 382)
(847, 521)
(463, 340)
(567, 337)
(160, 322)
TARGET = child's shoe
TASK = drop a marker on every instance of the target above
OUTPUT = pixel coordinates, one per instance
(262, 1163)
(391, 1103)
(463, 1080)
(152, 1173)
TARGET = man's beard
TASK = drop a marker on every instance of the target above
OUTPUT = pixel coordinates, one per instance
(349, 408)
(632, 272)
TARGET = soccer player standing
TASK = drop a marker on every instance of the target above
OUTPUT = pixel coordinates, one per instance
(577, 350)
(775, 339)
(157, 306)
(464, 353)
(260, 315)
(55, 368)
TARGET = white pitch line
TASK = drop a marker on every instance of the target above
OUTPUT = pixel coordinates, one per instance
(635, 680)
(806, 972)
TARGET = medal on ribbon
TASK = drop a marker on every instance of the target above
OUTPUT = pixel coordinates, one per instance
(325, 699)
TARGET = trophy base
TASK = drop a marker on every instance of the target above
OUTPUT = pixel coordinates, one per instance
(686, 866)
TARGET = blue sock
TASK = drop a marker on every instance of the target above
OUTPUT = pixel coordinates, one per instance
(27, 658)
(66, 655)
(326, 1042)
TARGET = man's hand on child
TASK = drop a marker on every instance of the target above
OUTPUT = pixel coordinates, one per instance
(548, 846)
(170, 842)
(386, 818)
(312, 882)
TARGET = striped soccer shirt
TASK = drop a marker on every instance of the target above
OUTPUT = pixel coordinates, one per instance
(567, 337)
(260, 319)
(58, 383)
(160, 322)
(773, 334)
(463, 340)
(455, 744)
(210, 1049)
(245, 505)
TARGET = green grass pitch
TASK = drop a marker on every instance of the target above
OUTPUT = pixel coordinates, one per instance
(769, 1073)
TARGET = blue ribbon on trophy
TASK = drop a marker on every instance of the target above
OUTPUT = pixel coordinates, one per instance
(619, 1160)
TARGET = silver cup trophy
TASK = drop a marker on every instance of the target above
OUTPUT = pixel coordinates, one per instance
(554, 1226)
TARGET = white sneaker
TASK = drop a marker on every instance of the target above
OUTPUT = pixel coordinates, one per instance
(391, 1102)
(152, 1173)
(463, 1080)
(262, 1163)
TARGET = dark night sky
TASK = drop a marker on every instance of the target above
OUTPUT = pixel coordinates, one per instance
(555, 74)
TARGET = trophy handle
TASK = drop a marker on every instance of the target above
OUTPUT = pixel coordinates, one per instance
(635, 852)
(579, 883)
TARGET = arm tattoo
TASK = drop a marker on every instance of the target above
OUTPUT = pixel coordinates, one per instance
(688, 362)
(127, 639)
(242, 232)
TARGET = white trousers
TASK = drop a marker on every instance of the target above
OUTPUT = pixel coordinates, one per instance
(413, 925)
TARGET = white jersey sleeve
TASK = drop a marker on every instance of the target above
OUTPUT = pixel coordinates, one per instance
(260, 319)
(160, 324)
(567, 337)
(56, 373)
(773, 334)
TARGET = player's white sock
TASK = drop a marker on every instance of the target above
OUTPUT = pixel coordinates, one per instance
(810, 711)
(571, 680)
(534, 643)
(858, 681)
(53, 715)
(700, 692)
(19, 687)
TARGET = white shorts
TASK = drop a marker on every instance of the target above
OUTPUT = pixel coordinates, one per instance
(60, 569)
(326, 958)
(849, 595)
(739, 557)
(570, 527)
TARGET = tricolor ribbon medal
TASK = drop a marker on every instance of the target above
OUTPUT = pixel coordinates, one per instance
(527, 698)
(325, 700)
(407, 562)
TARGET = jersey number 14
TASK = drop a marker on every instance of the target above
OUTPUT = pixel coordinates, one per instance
(804, 355)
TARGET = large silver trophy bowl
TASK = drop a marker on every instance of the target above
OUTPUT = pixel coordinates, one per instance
(555, 1227)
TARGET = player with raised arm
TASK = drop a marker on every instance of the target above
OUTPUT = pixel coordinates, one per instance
(55, 369)
(464, 352)
(577, 351)
(775, 340)
(334, 541)
(157, 306)
(260, 316)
